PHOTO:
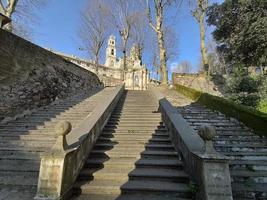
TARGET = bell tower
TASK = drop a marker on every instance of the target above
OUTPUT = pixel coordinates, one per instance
(111, 52)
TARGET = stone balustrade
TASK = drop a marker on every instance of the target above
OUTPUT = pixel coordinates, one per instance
(61, 165)
(205, 166)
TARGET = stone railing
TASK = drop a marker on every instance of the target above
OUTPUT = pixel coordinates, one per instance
(60, 167)
(205, 166)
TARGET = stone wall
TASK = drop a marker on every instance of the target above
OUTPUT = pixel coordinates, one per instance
(31, 77)
(134, 79)
(196, 81)
(109, 76)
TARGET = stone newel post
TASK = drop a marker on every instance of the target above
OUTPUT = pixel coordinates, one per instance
(52, 166)
(216, 181)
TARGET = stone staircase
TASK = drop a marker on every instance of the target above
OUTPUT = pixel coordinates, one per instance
(247, 151)
(24, 140)
(133, 157)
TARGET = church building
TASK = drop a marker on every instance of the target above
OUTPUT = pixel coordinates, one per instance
(135, 75)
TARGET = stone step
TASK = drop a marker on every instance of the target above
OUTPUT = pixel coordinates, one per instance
(24, 165)
(134, 123)
(133, 115)
(118, 153)
(17, 192)
(100, 162)
(15, 155)
(241, 147)
(139, 146)
(240, 140)
(143, 132)
(155, 174)
(217, 125)
(44, 132)
(247, 155)
(159, 154)
(22, 143)
(151, 187)
(133, 128)
(253, 165)
(24, 149)
(99, 186)
(249, 190)
(160, 163)
(226, 128)
(18, 178)
(129, 197)
(136, 139)
(33, 138)
(136, 120)
(38, 123)
(120, 136)
(243, 175)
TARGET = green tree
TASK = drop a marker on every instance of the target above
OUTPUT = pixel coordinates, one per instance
(243, 88)
(240, 31)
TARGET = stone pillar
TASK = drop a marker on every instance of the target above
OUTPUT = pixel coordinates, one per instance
(52, 167)
(214, 169)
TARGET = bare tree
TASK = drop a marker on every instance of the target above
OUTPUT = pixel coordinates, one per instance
(94, 28)
(171, 42)
(8, 10)
(217, 63)
(22, 15)
(156, 65)
(159, 8)
(139, 32)
(199, 12)
(124, 14)
(183, 67)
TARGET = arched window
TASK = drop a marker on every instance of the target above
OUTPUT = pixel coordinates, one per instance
(112, 52)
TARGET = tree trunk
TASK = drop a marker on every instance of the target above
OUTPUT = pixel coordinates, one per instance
(162, 50)
(202, 44)
(124, 59)
(96, 64)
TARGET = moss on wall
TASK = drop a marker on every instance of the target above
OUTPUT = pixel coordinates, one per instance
(249, 116)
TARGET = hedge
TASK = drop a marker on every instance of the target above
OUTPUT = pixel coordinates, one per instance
(249, 116)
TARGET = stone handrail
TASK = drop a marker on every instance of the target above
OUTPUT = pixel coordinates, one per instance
(60, 167)
(205, 166)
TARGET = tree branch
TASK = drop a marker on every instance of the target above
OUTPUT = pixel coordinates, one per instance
(2, 9)
(11, 6)
(150, 18)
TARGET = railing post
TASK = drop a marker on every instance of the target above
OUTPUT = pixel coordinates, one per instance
(214, 169)
(52, 166)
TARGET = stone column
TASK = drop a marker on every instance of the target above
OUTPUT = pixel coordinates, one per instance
(52, 167)
(213, 169)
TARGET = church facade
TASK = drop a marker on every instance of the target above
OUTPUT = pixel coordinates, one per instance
(135, 75)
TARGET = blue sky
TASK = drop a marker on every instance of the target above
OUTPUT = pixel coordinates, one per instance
(59, 23)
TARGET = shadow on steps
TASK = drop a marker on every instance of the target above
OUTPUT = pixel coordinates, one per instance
(24, 140)
(135, 163)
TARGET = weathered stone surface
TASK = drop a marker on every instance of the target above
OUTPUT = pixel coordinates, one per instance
(31, 76)
(196, 81)
(61, 166)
